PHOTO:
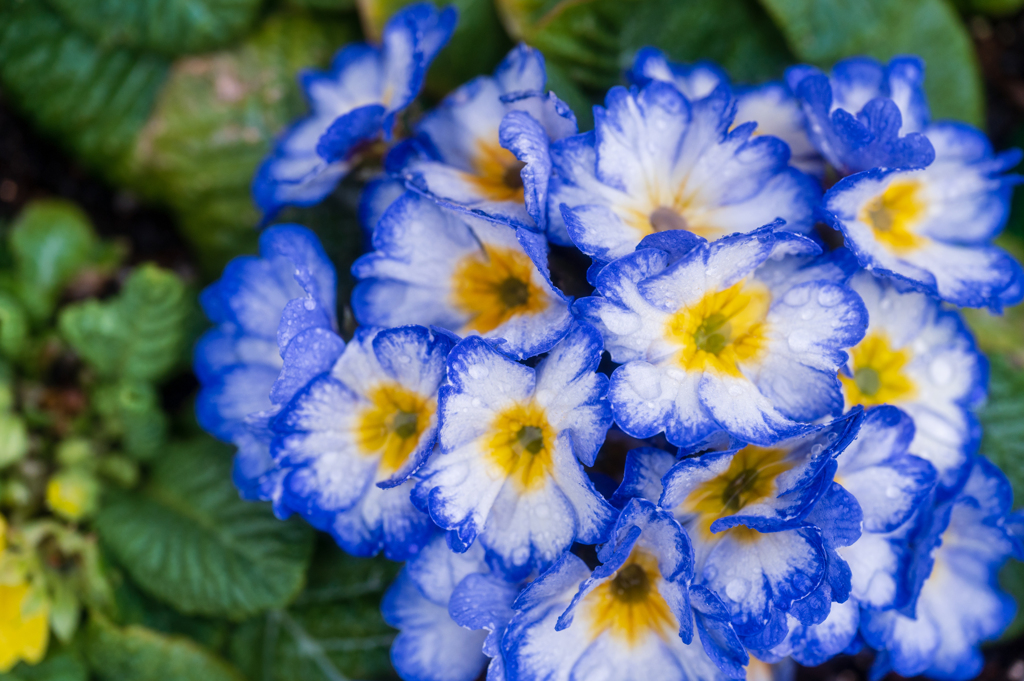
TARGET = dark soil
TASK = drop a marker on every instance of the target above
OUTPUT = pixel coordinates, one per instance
(32, 167)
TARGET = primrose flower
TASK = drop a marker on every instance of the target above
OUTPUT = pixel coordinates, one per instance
(747, 512)
(24, 635)
(511, 441)
(261, 306)
(889, 486)
(960, 604)
(352, 105)
(866, 115)
(657, 161)
(772, 106)
(447, 607)
(741, 335)
(631, 619)
(930, 229)
(922, 359)
(484, 150)
(354, 434)
(438, 267)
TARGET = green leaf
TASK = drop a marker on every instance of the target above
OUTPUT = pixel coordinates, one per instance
(1003, 439)
(138, 334)
(215, 121)
(138, 654)
(188, 539)
(51, 241)
(59, 666)
(333, 631)
(94, 99)
(1011, 578)
(824, 31)
(168, 26)
(13, 325)
(131, 412)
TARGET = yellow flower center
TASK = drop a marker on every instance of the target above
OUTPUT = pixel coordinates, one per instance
(496, 173)
(750, 478)
(629, 605)
(391, 426)
(878, 373)
(723, 329)
(23, 635)
(520, 445)
(894, 214)
(494, 286)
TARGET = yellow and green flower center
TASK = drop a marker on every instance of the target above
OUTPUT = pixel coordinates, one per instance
(749, 479)
(24, 629)
(520, 444)
(895, 214)
(722, 330)
(879, 375)
(496, 173)
(391, 426)
(494, 286)
(629, 605)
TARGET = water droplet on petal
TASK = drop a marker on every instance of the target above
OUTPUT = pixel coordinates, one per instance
(797, 296)
(309, 304)
(940, 371)
(477, 372)
(892, 491)
(830, 296)
(737, 589)
(477, 402)
(405, 359)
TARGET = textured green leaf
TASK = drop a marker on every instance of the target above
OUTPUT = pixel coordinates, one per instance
(1003, 439)
(50, 241)
(333, 631)
(94, 99)
(168, 26)
(138, 654)
(215, 121)
(139, 334)
(594, 41)
(60, 666)
(188, 539)
(478, 44)
(13, 325)
(131, 411)
(824, 31)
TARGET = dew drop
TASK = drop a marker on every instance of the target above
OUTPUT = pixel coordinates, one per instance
(737, 589)
(520, 556)
(405, 359)
(542, 511)
(478, 372)
(830, 296)
(892, 491)
(477, 402)
(797, 296)
(799, 341)
(309, 304)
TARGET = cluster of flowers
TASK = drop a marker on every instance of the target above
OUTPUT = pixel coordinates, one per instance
(803, 477)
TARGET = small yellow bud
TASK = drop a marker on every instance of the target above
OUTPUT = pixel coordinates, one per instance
(23, 635)
(72, 494)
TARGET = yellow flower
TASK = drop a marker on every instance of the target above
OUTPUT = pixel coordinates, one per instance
(72, 495)
(23, 636)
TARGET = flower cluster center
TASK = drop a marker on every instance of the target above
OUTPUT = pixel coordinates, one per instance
(879, 375)
(496, 173)
(664, 219)
(722, 330)
(894, 214)
(493, 286)
(391, 426)
(629, 605)
(520, 445)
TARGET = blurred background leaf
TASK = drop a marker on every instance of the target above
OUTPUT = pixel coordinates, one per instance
(187, 539)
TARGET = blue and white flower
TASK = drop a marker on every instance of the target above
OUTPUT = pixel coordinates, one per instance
(485, 149)
(930, 229)
(512, 439)
(749, 513)
(717, 339)
(632, 619)
(866, 115)
(352, 105)
(889, 486)
(960, 604)
(431, 645)
(355, 433)
(771, 105)
(922, 359)
(264, 308)
(657, 161)
(439, 267)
